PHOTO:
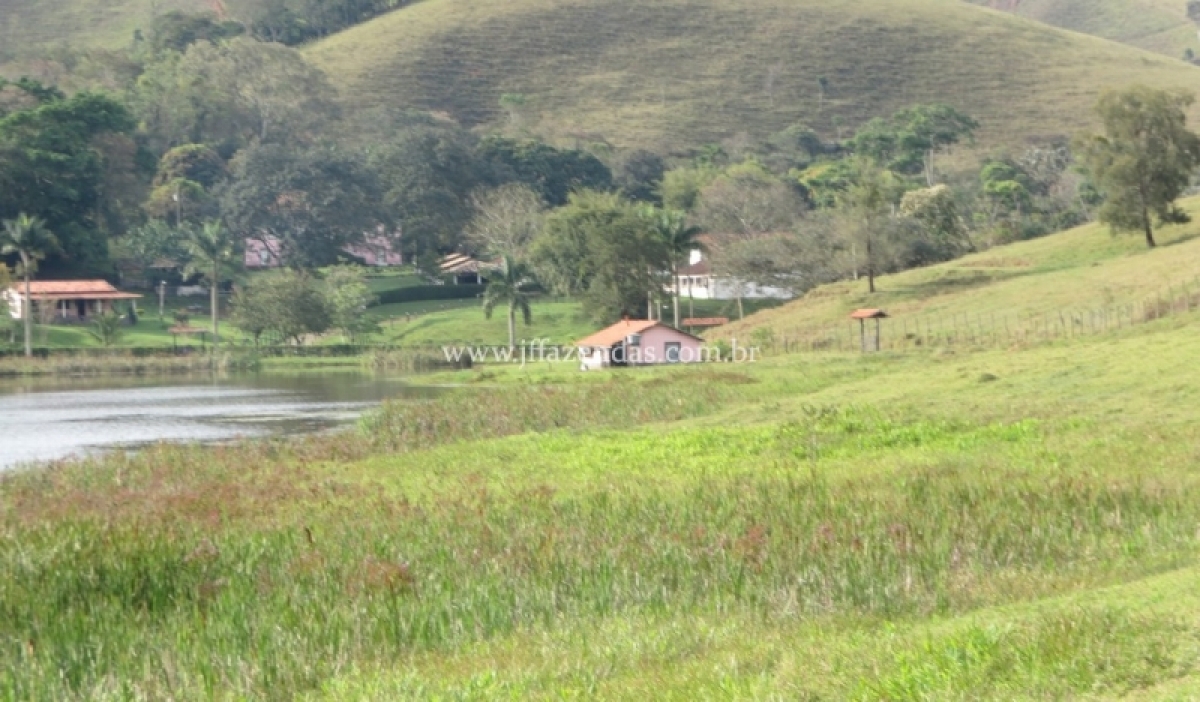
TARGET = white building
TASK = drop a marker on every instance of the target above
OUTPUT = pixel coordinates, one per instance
(699, 282)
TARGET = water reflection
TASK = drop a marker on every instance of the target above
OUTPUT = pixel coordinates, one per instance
(49, 418)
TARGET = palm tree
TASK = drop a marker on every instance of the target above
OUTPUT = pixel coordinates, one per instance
(680, 239)
(28, 238)
(211, 250)
(505, 287)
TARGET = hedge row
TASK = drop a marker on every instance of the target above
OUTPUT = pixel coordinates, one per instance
(422, 293)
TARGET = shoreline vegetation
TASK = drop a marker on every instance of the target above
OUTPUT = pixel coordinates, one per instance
(117, 362)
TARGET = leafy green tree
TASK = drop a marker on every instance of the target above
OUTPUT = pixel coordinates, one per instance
(232, 94)
(1006, 190)
(1144, 159)
(287, 303)
(176, 30)
(601, 249)
(508, 286)
(680, 240)
(153, 242)
(428, 172)
(680, 187)
(937, 211)
(908, 141)
(51, 168)
(864, 208)
(555, 173)
(347, 297)
(212, 251)
(639, 174)
(28, 238)
(313, 202)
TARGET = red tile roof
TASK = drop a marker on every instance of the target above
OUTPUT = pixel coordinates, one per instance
(72, 290)
(701, 268)
(607, 338)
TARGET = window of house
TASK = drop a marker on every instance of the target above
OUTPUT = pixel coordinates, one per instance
(674, 350)
(264, 258)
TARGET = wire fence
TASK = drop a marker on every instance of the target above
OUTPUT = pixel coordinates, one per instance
(987, 329)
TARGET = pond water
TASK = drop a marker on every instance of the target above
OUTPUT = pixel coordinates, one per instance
(49, 418)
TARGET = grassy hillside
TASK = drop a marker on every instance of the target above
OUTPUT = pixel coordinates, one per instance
(1156, 25)
(1082, 271)
(672, 74)
(35, 24)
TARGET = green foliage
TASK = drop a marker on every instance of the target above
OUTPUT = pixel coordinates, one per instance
(31, 241)
(347, 297)
(232, 94)
(555, 173)
(106, 328)
(212, 253)
(151, 243)
(908, 141)
(50, 167)
(639, 175)
(509, 286)
(418, 293)
(312, 201)
(176, 30)
(286, 304)
(428, 171)
(195, 163)
(297, 21)
(1145, 158)
(599, 247)
(937, 211)
(680, 188)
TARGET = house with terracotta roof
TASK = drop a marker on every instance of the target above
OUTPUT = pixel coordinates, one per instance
(639, 342)
(72, 300)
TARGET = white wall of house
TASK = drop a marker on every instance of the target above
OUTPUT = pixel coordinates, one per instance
(711, 287)
(13, 300)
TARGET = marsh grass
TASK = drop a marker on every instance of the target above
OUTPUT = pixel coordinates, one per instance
(258, 570)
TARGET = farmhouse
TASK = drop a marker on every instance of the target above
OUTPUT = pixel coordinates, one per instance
(72, 300)
(638, 343)
(698, 281)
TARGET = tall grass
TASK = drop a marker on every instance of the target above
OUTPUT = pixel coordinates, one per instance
(248, 571)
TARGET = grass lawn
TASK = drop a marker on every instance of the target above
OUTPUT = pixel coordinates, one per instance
(1085, 272)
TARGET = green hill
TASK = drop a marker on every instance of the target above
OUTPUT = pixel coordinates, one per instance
(1010, 292)
(1156, 25)
(673, 74)
(29, 24)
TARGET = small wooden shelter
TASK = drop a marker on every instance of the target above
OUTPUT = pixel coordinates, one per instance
(862, 316)
(185, 331)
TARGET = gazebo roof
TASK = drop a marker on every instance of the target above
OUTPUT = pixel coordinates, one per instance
(869, 314)
(179, 329)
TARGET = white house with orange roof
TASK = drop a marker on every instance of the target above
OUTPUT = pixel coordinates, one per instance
(73, 300)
